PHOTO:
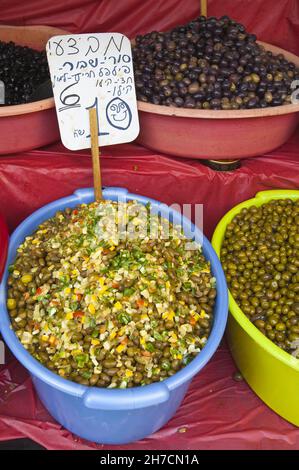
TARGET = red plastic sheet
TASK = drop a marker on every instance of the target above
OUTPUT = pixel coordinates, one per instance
(33, 179)
(217, 413)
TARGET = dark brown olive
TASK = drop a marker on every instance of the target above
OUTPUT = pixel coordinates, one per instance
(266, 288)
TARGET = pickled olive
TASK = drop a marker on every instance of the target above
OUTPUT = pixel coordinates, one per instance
(269, 297)
(106, 311)
(24, 70)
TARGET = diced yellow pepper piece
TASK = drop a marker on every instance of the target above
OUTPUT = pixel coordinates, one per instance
(168, 315)
(103, 290)
(45, 338)
(118, 306)
(52, 340)
(112, 334)
(129, 373)
(202, 314)
(120, 348)
(69, 316)
(95, 341)
(173, 337)
(195, 315)
(76, 351)
(67, 290)
(167, 284)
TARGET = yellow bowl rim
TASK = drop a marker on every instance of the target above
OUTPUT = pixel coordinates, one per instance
(261, 198)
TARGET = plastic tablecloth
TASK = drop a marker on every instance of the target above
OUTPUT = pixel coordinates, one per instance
(217, 413)
(274, 21)
(31, 180)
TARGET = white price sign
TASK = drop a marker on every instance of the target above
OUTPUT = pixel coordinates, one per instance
(93, 70)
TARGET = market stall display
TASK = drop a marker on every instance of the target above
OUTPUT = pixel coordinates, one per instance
(28, 125)
(3, 244)
(206, 414)
(95, 413)
(269, 369)
(264, 337)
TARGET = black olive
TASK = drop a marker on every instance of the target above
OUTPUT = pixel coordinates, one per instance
(22, 70)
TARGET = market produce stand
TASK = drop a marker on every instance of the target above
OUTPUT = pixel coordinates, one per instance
(218, 411)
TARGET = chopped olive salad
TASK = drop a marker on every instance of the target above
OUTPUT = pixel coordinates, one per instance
(109, 310)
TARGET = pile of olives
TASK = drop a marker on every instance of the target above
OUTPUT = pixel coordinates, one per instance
(210, 64)
(260, 257)
(22, 70)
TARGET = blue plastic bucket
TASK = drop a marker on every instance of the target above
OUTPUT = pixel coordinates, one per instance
(113, 416)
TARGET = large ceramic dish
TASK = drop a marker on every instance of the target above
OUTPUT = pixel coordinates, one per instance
(31, 125)
(271, 372)
(218, 135)
(113, 416)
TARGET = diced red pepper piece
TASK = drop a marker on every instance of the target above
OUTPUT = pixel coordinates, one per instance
(78, 314)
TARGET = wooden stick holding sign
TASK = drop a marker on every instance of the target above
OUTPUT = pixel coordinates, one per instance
(204, 8)
(95, 153)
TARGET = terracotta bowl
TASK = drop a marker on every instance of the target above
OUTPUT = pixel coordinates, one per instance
(218, 135)
(28, 126)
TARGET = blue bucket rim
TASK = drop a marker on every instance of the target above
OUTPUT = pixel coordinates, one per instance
(86, 195)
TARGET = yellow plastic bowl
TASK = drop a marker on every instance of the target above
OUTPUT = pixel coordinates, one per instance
(271, 372)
